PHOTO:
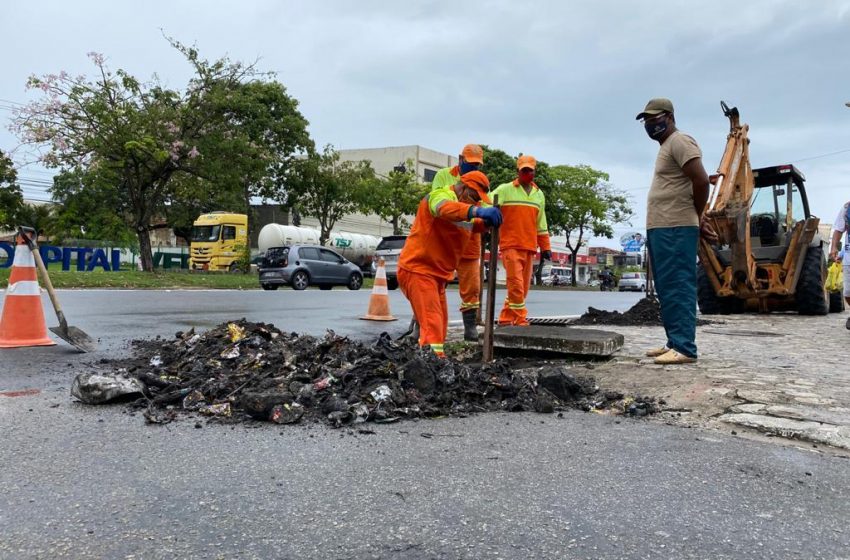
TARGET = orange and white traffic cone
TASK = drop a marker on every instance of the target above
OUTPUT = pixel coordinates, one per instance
(22, 323)
(379, 302)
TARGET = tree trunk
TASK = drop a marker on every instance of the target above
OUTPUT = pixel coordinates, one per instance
(145, 252)
(396, 229)
(574, 267)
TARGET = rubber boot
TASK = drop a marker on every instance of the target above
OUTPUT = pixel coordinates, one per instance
(415, 330)
(470, 333)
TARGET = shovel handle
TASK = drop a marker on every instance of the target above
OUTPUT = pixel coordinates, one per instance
(490, 318)
(36, 254)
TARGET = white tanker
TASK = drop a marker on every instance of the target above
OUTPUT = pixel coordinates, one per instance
(356, 247)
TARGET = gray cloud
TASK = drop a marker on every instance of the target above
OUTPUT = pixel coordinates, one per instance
(559, 80)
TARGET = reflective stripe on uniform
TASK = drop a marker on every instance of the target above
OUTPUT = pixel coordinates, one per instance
(23, 288)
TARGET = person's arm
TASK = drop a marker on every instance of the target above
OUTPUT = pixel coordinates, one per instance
(443, 204)
(836, 245)
(694, 170)
(543, 230)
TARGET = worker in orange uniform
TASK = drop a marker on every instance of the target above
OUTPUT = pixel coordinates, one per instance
(471, 158)
(444, 223)
(524, 208)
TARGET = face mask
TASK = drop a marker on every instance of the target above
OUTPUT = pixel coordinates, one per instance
(656, 130)
(466, 167)
(526, 177)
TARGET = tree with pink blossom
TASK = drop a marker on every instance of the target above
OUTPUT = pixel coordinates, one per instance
(152, 152)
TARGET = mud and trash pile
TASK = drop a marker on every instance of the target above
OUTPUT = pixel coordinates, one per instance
(243, 370)
(645, 313)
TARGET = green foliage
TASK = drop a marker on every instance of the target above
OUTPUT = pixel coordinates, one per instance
(11, 197)
(152, 153)
(394, 197)
(327, 189)
(580, 202)
(87, 211)
(243, 257)
(501, 168)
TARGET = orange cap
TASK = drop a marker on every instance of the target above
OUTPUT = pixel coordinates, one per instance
(473, 153)
(478, 181)
(526, 161)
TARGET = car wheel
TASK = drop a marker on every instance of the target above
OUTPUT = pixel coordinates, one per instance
(300, 280)
(234, 268)
(269, 286)
(392, 283)
(355, 281)
(642, 289)
(325, 287)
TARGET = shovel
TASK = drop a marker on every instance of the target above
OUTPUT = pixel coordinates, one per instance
(490, 317)
(72, 335)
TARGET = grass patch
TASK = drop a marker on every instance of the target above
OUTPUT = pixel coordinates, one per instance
(160, 280)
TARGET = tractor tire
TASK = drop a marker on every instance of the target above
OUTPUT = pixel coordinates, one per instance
(709, 303)
(836, 302)
(811, 296)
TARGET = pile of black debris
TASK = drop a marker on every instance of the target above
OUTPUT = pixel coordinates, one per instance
(242, 370)
(645, 313)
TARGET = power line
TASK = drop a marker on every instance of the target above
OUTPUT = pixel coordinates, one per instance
(822, 155)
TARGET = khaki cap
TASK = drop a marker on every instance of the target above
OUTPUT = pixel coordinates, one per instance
(656, 107)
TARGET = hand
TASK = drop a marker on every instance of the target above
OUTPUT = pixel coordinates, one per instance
(707, 232)
(546, 255)
(833, 256)
(492, 216)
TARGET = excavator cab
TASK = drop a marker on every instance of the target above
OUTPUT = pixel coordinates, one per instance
(769, 255)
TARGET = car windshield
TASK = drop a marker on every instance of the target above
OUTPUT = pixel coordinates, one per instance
(205, 233)
(391, 243)
(631, 275)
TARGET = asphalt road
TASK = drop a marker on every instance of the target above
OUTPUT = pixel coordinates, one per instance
(96, 482)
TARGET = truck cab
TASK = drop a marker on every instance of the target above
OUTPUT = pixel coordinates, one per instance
(216, 240)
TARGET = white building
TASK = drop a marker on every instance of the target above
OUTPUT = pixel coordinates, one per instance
(426, 162)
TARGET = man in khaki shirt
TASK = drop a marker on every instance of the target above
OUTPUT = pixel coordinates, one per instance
(675, 203)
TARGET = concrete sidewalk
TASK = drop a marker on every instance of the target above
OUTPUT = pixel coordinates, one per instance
(781, 376)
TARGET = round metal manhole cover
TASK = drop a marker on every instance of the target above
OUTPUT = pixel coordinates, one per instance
(734, 332)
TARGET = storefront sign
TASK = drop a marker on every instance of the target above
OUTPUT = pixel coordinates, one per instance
(86, 258)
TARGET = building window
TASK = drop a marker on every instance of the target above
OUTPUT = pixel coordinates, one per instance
(428, 175)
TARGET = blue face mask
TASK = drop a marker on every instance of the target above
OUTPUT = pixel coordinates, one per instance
(656, 130)
(467, 167)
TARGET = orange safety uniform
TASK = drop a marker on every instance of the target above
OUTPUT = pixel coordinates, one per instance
(524, 230)
(469, 267)
(441, 230)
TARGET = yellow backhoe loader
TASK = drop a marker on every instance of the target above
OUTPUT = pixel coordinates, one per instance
(769, 255)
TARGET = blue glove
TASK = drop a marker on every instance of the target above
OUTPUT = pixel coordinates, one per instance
(492, 216)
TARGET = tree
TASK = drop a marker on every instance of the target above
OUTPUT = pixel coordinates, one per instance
(86, 211)
(580, 201)
(40, 217)
(395, 197)
(327, 189)
(11, 197)
(146, 141)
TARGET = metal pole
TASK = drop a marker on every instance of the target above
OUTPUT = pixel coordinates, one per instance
(487, 349)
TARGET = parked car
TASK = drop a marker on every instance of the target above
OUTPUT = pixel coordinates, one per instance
(558, 276)
(301, 266)
(389, 249)
(633, 281)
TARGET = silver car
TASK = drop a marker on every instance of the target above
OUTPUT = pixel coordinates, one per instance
(389, 249)
(301, 266)
(633, 281)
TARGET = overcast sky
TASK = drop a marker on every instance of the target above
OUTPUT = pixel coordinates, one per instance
(559, 80)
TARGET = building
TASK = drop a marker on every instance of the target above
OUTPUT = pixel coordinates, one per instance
(425, 162)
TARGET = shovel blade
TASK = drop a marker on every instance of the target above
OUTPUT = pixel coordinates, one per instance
(76, 338)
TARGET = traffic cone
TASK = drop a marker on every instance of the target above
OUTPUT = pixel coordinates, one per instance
(22, 323)
(379, 302)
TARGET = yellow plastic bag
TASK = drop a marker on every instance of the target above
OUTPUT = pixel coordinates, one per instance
(835, 278)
